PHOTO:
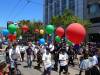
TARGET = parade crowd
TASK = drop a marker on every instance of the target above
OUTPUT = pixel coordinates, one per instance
(57, 57)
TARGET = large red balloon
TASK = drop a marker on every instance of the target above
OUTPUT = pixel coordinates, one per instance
(25, 28)
(75, 33)
(60, 31)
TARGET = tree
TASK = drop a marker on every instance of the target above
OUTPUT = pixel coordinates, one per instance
(67, 18)
(28, 23)
(38, 25)
(18, 32)
(32, 26)
(85, 23)
(24, 22)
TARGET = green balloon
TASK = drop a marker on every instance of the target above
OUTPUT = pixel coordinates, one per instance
(69, 43)
(49, 29)
(12, 28)
(57, 39)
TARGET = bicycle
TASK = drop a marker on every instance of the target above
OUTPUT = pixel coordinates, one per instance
(13, 67)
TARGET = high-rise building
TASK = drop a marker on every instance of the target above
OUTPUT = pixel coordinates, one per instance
(85, 9)
(93, 13)
(57, 7)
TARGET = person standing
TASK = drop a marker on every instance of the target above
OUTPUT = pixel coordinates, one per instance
(63, 59)
(22, 51)
(95, 70)
(14, 54)
(29, 55)
(39, 58)
(7, 53)
(51, 46)
(0, 45)
(34, 51)
(46, 58)
(56, 56)
(71, 54)
(84, 63)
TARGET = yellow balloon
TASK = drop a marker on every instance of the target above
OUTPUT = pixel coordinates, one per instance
(41, 31)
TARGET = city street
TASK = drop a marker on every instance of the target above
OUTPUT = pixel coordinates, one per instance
(50, 37)
(31, 71)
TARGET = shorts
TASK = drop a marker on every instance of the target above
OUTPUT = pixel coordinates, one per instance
(65, 68)
(47, 71)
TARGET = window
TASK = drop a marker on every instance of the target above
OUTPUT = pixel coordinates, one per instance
(95, 20)
(50, 12)
(57, 8)
(46, 2)
(46, 15)
(50, 1)
(72, 5)
(63, 5)
(93, 39)
(94, 9)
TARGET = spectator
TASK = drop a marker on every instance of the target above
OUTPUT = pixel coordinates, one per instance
(47, 62)
(95, 70)
(29, 56)
(22, 51)
(63, 58)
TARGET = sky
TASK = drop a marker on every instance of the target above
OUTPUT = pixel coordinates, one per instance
(15, 10)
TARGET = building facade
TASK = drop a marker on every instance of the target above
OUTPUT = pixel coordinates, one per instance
(57, 7)
(93, 13)
(85, 9)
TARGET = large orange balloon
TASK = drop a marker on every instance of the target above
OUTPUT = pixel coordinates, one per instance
(60, 31)
(75, 33)
(25, 28)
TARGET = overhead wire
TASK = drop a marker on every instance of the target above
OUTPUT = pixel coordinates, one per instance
(35, 2)
(28, 1)
(22, 9)
(26, 4)
(14, 8)
(11, 12)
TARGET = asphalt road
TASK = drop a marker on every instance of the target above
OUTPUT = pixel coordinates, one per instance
(32, 71)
